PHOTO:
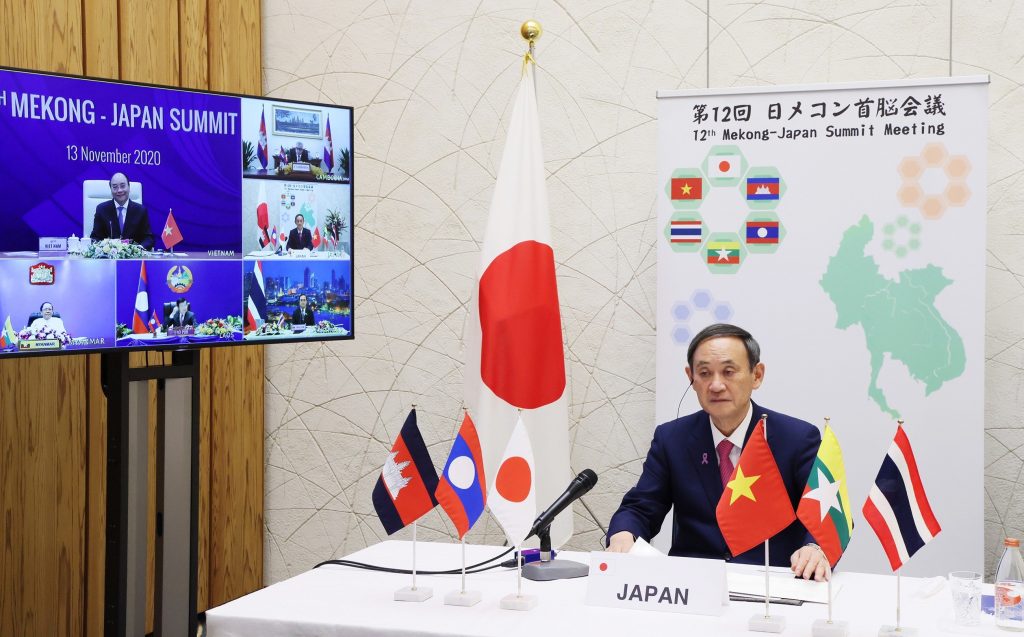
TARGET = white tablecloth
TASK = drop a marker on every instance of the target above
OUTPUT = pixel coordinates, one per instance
(335, 600)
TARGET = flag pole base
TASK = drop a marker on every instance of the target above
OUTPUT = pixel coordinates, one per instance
(893, 631)
(463, 598)
(518, 602)
(555, 569)
(762, 623)
(825, 628)
(414, 594)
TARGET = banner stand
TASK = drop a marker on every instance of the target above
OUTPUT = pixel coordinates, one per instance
(177, 495)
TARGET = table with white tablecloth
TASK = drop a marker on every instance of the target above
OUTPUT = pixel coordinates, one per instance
(341, 600)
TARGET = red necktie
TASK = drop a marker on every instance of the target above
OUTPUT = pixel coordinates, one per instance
(724, 463)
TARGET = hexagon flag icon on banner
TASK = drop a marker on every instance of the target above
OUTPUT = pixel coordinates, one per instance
(724, 253)
(724, 165)
(763, 232)
(686, 189)
(685, 232)
(762, 188)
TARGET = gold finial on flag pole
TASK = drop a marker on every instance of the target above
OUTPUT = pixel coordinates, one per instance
(899, 421)
(531, 31)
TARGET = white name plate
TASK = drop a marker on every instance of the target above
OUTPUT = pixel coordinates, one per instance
(49, 246)
(667, 584)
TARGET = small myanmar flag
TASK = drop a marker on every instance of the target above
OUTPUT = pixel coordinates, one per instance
(824, 508)
(723, 253)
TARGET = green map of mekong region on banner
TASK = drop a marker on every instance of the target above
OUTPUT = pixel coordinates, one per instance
(899, 317)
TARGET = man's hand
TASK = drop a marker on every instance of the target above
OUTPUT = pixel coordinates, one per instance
(621, 542)
(809, 561)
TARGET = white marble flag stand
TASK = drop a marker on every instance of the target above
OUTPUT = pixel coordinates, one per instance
(413, 593)
(463, 597)
(766, 623)
(897, 630)
(518, 601)
(828, 627)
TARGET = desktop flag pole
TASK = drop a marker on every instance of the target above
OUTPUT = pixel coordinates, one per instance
(405, 492)
(513, 503)
(462, 496)
(898, 511)
(753, 508)
(825, 511)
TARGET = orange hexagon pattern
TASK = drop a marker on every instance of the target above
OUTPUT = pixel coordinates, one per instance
(933, 205)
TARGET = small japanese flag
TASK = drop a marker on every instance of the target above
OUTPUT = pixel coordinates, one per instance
(723, 166)
(513, 494)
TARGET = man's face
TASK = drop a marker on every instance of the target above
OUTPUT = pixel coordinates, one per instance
(182, 307)
(302, 302)
(47, 310)
(119, 188)
(299, 221)
(723, 380)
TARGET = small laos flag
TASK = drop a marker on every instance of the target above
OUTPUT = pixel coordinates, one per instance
(141, 303)
(825, 508)
(897, 507)
(762, 232)
(461, 489)
(405, 488)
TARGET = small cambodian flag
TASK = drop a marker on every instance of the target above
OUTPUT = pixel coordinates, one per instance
(261, 144)
(328, 147)
(762, 188)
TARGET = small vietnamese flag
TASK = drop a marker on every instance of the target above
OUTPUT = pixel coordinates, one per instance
(316, 238)
(755, 505)
(171, 234)
(686, 188)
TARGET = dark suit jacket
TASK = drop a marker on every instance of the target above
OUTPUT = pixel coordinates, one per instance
(181, 321)
(294, 157)
(299, 317)
(295, 242)
(105, 224)
(681, 470)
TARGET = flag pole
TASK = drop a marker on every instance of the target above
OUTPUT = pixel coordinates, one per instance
(767, 563)
(414, 555)
(464, 565)
(414, 593)
(767, 623)
(898, 600)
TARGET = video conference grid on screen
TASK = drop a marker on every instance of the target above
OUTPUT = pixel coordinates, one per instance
(141, 216)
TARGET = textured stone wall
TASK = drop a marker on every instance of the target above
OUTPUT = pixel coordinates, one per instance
(432, 84)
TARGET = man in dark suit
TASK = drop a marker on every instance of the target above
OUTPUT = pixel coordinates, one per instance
(298, 154)
(300, 237)
(691, 459)
(303, 315)
(121, 218)
(180, 315)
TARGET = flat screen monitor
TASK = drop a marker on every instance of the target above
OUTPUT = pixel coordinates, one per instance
(138, 217)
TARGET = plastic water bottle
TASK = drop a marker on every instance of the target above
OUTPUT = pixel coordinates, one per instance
(1009, 597)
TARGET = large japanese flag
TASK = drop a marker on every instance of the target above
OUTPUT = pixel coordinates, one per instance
(513, 499)
(514, 355)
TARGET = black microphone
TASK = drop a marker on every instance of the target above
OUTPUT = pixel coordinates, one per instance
(579, 486)
(110, 226)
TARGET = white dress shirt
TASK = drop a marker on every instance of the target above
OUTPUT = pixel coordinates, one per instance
(736, 438)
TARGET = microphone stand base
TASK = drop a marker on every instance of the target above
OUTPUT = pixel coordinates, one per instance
(518, 602)
(462, 598)
(555, 569)
(410, 594)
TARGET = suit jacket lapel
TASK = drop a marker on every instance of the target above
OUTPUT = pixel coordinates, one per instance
(705, 461)
(755, 415)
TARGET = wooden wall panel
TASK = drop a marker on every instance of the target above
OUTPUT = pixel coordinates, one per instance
(53, 452)
(235, 46)
(149, 41)
(96, 502)
(46, 36)
(42, 495)
(236, 479)
(193, 44)
(102, 50)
